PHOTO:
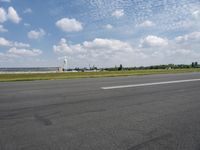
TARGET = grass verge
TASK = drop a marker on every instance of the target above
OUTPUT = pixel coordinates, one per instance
(73, 75)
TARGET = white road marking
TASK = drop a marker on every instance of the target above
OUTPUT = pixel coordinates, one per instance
(148, 84)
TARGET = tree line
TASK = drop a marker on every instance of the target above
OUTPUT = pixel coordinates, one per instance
(120, 67)
(167, 66)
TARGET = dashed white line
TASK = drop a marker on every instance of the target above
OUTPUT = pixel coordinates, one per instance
(148, 84)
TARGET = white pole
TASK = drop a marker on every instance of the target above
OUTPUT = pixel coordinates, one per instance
(65, 63)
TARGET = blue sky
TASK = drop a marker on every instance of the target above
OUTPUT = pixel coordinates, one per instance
(104, 33)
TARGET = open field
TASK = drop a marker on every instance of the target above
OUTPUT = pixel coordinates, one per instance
(73, 75)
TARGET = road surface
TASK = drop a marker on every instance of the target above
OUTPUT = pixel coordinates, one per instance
(156, 112)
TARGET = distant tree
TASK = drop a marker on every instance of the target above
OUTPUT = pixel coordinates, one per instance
(194, 64)
(120, 67)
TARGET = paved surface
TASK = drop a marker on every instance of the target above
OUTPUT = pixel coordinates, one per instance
(79, 115)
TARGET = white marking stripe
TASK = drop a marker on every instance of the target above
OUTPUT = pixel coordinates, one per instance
(148, 84)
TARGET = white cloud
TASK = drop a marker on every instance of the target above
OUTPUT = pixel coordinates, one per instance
(36, 34)
(4, 42)
(147, 23)
(196, 14)
(96, 48)
(175, 55)
(108, 26)
(153, 41)
(69, 25)
(62, 47)
(3, 15)
(17, 49)
(5, 57)
(107, 45)
(102, 52)
(181, 50)
(111, 52)
(13, 15)
(118, 13)
(194, 36)
(20, 44)
(8, 1)
(27, 24)
(28, 10)
(194, 11)
(2, 29)
(24, 52)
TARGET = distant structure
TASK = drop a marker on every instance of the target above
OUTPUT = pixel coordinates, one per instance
(64, 65)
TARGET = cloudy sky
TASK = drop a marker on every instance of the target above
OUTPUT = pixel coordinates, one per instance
(104, 33)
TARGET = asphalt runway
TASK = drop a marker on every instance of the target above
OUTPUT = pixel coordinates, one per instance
(156, 112)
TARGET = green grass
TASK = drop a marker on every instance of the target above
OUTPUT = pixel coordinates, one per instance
(73, 75)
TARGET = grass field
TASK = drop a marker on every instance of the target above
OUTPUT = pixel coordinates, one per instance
(73, 75)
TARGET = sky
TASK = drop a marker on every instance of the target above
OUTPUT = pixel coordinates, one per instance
(104, 33)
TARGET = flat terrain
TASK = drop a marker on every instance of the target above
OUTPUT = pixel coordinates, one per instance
(82, 114)
(72, 75)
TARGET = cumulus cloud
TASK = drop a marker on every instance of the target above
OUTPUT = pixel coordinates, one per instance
(62, 47)
(24, 52)
(118, 13)
(108, 26)
(107, 45)
(2, 29)
(183, 49)
(153, 41)
(175, 55)
(20, 44)
(3, 15)
(97, 45)
(102, 52)
(36, 34)
(14, 53)
(17, 49)
(6, 43)
(147, 23)
(194, 36)
(110, 52)
(97, 50)
(69, 25)
(13, 15)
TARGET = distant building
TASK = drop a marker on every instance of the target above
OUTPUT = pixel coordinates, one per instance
(60, 69)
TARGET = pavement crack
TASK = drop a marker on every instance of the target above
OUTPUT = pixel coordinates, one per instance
(150, 141)
(43, 120)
